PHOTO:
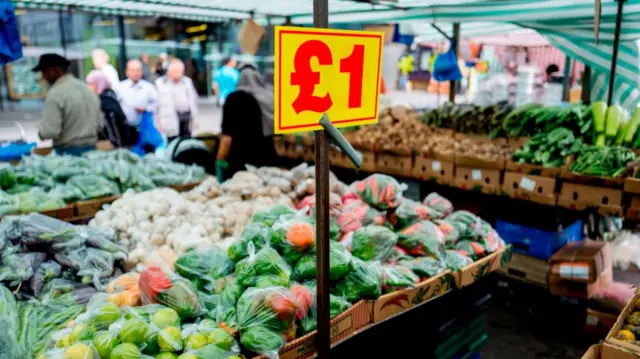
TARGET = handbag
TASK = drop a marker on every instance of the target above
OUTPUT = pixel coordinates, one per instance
(149, 138)
(445, 67)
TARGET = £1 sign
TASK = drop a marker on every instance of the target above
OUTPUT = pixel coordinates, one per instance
(320, 71)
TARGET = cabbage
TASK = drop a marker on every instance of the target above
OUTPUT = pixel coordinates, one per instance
(105, 315)
(81, 332)
(195, 341)
(170, 339)
(166, 356)
(125, 351)
(80, 351)
(221, 338)
(133, 331)
(187, 356)
(207, 326)
(151, 344)
(104, 342)
(165, 317)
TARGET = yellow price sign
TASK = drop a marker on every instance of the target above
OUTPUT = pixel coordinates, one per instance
(321, 71)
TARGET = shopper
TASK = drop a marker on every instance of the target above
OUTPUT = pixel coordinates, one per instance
(101, 63)
(161, 65)
(72, 117)
(146, 71)
(116, 129)
(247, 124)
(551, 69)
(136, 95)
(178, 101)
(225, 80)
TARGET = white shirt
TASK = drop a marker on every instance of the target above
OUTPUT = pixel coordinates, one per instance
(133, 95)
(112, 75)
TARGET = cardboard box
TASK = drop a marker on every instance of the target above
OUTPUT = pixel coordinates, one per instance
(526, 168)
(579, 197)
(474, 162)
(369, 161)
(612, 351)
(615, 343)
(593, 352)
(343, 326)
(580, 261)
(633, 212)
(392, 304)
(599, 323)
(530, 187)
(632, 185)
(475, 271)
(250, 36)
(483, 180)
(527, 269)
(61, 213)
(92, 206)
(394, 165)
(429, 169)
(294, 151)
(185, 187)
(387, 30)
(281, 147)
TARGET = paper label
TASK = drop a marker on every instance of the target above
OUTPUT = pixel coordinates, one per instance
(476, 175)
(527, 184)
(435, 166)
(574, 271)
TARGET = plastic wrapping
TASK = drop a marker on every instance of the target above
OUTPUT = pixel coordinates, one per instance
(203, 268)
(124, 290)
(307, 323)
(456, 261)
(422, 239)
(45, 272)
(9, 325)
(293, 237)
(424, 267)
(18, 268)
(439, 204)
(270, 216)
(379, 191)
(451, 233)
(257, 233)
(411, 212)
(262, 269)
(159, 286)
(373, 243)
(361, 282)
(339, 259)
(357, 214)
(93, 186)
(397, 277)
(264, 316)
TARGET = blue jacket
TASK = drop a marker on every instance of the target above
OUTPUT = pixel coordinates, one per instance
(10, 45)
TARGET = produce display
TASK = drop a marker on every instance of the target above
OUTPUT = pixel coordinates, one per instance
(40, 183)
(548, 149)
(630, 331)
(609, 161)
(469, 118)
(532, 119)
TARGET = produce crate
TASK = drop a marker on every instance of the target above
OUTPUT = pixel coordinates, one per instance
(483, 180)
(393, 164)
(342, 327)
(185, 187)
(598, 323)
(369, 161)
(608, 201)
(429, 169)
(633, 212)
(475, 271)
(593, 352)
(612, 351)
(392, 304)
(530, 169)
(527, 269)
(61, 213)
(627, 347)
(595, 181)
(530, 187)
(92, 206)
(536, 242)
(308, 153)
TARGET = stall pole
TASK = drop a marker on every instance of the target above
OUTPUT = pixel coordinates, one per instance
(614, 56)
(123, 46)
(566, 80)
(586, 85)
(455, 44)
(323, 339)
(63, 35)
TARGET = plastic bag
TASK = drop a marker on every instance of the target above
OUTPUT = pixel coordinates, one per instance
(269, 216)
(471, 249)
(158, 286)
(424, 267)
(379, 191)
(397, 277)
(18, 268)
(262, 269)
(9, 326)
(361, 282)
(445, 67)
(264, 316)
(373, 243)
(451, 233)
(203, 268)
(339, 259)
(149, 136)
(67, 193)
(614, 296)
(422, 239)
(456, 261)
(293, 237)
(45, 272)
(307, 323)
(257, 233)
(94, 186)
(124, 290)
(411, 212)
(438, 203)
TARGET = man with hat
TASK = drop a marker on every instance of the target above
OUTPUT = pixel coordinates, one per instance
(72, 116)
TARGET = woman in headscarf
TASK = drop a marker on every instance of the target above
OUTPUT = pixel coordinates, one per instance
(247, 125)
(115, 121)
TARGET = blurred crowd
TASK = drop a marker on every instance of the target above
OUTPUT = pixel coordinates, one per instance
(150, 108)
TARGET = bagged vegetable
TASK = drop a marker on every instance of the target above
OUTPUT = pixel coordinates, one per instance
(471, 249)
(373, 243)
(45, 272)
(411, 212)
(397, 277)
(361, 282)
(124, 290)
(93, 186)
(264, 315)
(227, 292)
(263, 269)
(158, 286)
(358, 214)
(422, 239)
(18, 268)
(424, 267)
(339, 258)
(305, 295)
(456, 261)
(451, 233)
(100, 313)
(9, 326)
(293, 237)
(7, 176)
(439, 204)
(203, 268)
(270, 216)
(257, 233)
(379, 191)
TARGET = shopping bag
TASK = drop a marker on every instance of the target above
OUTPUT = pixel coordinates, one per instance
(445, 68)
(149, 138)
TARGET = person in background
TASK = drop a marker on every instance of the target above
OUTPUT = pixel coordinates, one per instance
(405, 65)
(115, 121)
(225, 79)
(72, 117)
(146, 71)
(247, 125)
(551, 69)
(178, 101)
(161, 65)
(136, 95)
(101, 63)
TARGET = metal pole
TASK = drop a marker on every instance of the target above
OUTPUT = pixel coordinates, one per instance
(586, 85)
(455, 44)
(566, 81)
(123, 47)
(323, 336)
(63, 36)
(614, 56)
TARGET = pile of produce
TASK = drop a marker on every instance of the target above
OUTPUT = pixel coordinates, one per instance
(532, 119)
(612, 125)
(608, 161)
(41, 183)
(548, 149)
(469, 118)
(482, 150)
(630, 331)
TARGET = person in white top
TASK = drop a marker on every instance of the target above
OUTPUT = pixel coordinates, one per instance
(178, 101)
(101, 63)
(136, 95)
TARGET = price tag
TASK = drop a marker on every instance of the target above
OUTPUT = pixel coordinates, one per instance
(574, 271)
(435, 166)
(527, 184)
(476, 175)
(320, 71)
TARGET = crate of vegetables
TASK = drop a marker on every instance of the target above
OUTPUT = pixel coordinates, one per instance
(574, 196)
(528, 187)
(477, 179)
(400, 164)
(599, 166)
(481, 154)
(625, 333)
(430, 167)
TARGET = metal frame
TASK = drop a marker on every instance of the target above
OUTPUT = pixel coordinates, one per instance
(614, 56)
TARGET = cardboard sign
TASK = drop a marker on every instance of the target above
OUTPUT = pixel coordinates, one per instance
(320, 71)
